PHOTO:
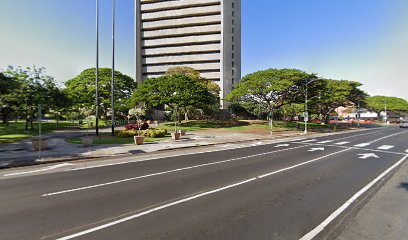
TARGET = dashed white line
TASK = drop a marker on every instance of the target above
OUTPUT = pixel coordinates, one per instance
(335, 214)
(310, 140)
(342, 143)
(107, 225)
(327, 141)
(362, 145)
(162, 173)
(385, 147)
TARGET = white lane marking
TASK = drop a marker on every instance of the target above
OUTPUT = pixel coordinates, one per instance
(362, 145)
(107, 225)
(177, 155)
(379, 139)
(310, 140)
(154, 210)
(335, 214)
(39, 170)
(282, 145)
(316, 149)
(218, 150)
(162, 173)
(367, 155)
(304, 163)
(342, 143)
(327, 141)
(385, 147)
(406, 151)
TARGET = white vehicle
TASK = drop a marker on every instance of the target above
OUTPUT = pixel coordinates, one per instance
(403, 124)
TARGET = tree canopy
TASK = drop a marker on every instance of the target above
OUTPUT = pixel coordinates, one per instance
(195, 75)
(273, 87)
(377, 104)
(175, 91)
(81, 90)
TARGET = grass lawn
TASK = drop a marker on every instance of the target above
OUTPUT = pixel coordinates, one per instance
(16, 131)
(108, 139)
(240, 126)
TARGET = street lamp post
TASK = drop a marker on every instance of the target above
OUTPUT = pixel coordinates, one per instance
(97, 71)
(113, 69)
(306, 113)
(385, 108)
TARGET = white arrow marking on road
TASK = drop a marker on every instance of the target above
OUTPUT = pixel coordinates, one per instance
(311, 140)
(385, 147)
(316, 149)
(282, 145)
(342, 143)
(362, 145)
(39, 170)
(367, 155)
(327, 141)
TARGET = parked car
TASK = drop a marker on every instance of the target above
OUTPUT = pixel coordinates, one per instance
(403, 124)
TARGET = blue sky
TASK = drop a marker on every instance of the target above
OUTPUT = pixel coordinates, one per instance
(361, 40)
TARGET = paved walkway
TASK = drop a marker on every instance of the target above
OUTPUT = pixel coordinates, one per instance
(21, 153)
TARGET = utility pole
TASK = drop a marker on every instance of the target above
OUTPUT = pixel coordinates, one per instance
(113, 69)
(97, 71)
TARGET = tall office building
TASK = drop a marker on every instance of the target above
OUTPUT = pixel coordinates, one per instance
(202, 34)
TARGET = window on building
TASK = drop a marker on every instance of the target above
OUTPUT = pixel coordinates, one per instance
(233, 80)
(232, 55)
(232, 47)
(232, 38)
(232, 13)
(233, 22)
(233, 5)
(233, 63)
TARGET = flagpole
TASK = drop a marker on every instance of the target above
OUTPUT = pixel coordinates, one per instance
(113, 68)
(97, 71)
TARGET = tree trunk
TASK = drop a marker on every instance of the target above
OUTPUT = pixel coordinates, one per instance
(4, 118)
(186, 114)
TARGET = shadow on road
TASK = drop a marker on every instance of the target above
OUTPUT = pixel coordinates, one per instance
(404, 185)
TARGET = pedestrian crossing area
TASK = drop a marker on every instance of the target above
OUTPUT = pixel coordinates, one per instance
(345, 143)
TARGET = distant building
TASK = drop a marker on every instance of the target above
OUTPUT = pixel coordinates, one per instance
(202, 34)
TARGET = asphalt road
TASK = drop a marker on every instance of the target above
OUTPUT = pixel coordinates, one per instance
(273, 191)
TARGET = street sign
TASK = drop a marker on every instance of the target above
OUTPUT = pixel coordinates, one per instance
(305, 114)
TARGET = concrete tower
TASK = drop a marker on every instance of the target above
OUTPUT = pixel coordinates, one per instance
(202, 34)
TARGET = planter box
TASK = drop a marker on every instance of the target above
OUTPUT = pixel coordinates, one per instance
(182, 132)
(87, 141)
(175, 136)
(40, 143)
(139, 140)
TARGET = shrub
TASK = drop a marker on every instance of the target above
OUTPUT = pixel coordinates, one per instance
(135, 127)
(154, 133)
(126, 134)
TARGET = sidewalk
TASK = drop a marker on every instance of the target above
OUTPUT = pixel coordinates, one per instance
(385, 216)
(22, 154)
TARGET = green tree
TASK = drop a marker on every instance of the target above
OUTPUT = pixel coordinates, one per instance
(377, 104)
(81, 90)
(34, 88)
(290, 111)
(175, 91)
(334, 94)
(195, 75)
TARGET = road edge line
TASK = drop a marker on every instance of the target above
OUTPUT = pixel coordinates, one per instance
(318, 229)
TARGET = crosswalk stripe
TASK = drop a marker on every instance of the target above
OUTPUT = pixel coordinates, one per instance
(342, 143)
(362, 145)
(311, 140)
(327, 141)
(385, 147)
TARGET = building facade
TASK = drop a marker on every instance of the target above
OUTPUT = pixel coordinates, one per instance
(202, 34)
